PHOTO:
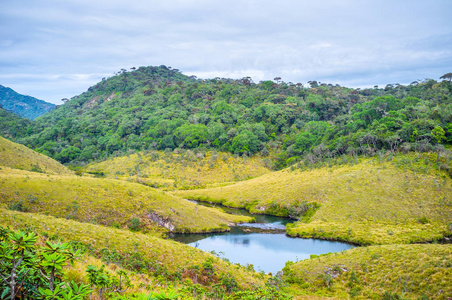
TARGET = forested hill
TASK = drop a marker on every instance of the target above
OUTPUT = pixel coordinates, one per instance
(22, 105)
(12, 125)
(160, 108)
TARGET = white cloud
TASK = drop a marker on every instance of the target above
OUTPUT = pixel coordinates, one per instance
(54, 49)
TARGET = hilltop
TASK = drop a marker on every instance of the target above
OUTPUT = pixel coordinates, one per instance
(23, 105)
(159, 108)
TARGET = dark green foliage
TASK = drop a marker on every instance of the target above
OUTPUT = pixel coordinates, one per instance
(18, 206)
(423, 220)
(303, 210)
(391, 296)
(107, 283)
(158, 108)
(12, 126)
(134, 224)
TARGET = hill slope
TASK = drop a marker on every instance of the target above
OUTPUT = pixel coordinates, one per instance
(377, 272)
(138, 252)
(107, 202)
(20, 157)
(22, 105)
(368, 203)
(12, 126)
(181, 170)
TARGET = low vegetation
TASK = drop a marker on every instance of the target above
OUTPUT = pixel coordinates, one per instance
(107, 202)
(376, 272)
(166, 265)
(20, 157)
(181, 169)
(366, 201)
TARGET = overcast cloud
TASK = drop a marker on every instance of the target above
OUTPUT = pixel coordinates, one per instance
(56, 49)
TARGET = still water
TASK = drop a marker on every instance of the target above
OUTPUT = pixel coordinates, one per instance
(263, 244)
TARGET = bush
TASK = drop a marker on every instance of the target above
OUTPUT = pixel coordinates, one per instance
(134, 224)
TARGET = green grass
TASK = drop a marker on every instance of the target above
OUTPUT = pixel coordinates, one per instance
(106, 201)
(402, 201)
(181, 170)
(410, 271)
(20, 157)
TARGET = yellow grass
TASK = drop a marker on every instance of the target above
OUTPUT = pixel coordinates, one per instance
(105, 201)
(172, 255)
(185, 170)
(411, 271)
(17, 156)
(367, 203)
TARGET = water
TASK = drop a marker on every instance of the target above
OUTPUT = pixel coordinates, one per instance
(264, 245)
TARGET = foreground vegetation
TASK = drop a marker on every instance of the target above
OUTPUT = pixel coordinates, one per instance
(376, 272)
(164, 264)
(364, 201)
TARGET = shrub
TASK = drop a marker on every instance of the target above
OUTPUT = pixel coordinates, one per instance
(134, 224)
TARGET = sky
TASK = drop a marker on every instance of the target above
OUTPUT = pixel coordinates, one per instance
(52, 49)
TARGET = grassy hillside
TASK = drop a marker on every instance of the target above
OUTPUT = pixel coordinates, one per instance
(20, 157)
(183, 169)
(168, 262)
(402, 201)
(377, 272)
(106, 201)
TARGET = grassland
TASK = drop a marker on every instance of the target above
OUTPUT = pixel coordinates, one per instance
(106, 201)
(404, 200)
(17, 156)
(162, 259)
(410, 271)
(182, 169)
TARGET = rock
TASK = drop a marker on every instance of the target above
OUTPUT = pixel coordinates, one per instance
(164, 222)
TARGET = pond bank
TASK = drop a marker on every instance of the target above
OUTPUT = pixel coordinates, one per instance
(262, 245)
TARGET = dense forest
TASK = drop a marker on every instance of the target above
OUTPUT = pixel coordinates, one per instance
(160, 108)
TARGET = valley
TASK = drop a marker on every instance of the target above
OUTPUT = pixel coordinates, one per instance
(292, 192)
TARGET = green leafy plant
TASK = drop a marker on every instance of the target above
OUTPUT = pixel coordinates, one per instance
(27, 270)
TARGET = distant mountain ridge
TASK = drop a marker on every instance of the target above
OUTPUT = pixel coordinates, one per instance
(23, 105)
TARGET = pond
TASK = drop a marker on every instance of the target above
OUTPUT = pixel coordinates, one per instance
(263, 244)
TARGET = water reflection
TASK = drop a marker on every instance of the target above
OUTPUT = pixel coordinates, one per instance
(262, 244)
(267, 252)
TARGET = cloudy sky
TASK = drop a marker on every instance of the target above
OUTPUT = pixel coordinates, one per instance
(57, 49)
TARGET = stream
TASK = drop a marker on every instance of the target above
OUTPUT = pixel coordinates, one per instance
(263, 244)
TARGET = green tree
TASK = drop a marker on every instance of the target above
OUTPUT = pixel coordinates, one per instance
(438, 134)
(246, 141)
